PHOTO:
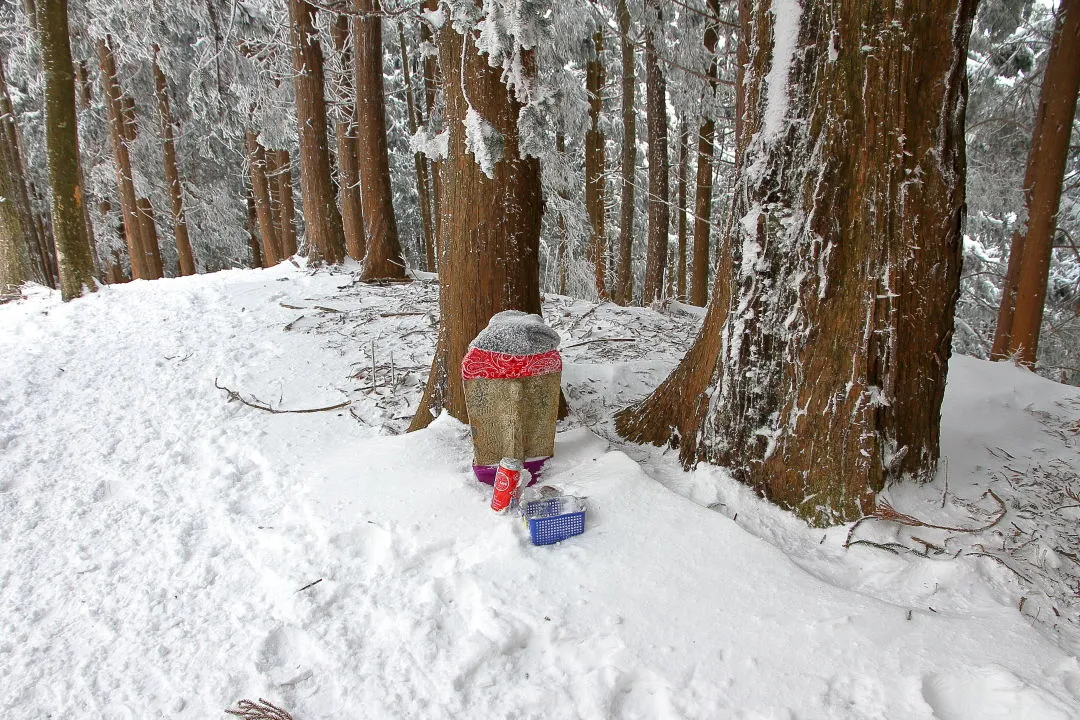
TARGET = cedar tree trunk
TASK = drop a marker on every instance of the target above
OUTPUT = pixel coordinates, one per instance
(1024, 295)
(489, 253)
(326, 238)
(172, 174)
(285, 219)
(74, 252)
(699, 275)
(382, 259)
(623, 291)
(680, 266)
(656, 124)
(260, 192)
(594, 164)
(352, 213)
(819, 371)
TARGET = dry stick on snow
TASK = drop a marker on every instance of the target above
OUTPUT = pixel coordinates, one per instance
(596, 340)
(885, 511)
(259, 405)
(262, 710)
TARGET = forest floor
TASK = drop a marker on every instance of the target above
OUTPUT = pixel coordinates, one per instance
(167, 548)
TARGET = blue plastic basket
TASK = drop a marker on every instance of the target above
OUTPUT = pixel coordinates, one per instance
(554, 519)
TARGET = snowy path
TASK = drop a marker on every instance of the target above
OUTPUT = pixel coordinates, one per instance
(154, 540)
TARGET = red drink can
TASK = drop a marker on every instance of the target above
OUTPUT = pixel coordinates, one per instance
(506, 482)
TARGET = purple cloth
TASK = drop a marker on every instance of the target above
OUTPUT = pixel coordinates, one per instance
(486, 473)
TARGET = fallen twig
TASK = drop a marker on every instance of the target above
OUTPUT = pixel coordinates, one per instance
(886, 511)
(262, 710)
(595, 340)
(259, 405)
(309, 585)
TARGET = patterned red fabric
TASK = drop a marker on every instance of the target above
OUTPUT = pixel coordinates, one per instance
(487, 364)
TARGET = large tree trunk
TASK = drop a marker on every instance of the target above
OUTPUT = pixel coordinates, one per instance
(75, 254)
(594, 165)
(260, 192)
(703, 195)
(680, 263)
(325, 236)
(352, 212)
(142, 263)
(148, 231)
(253, 234)
(820, 368)
(431, 85)
(489, 253)
(172, 174)
(383, 257)
(623, 291)
(656, 109)
(423, 194)
(1024, 294)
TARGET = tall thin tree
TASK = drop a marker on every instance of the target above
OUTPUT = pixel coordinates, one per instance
(185, 255)
(657, 127)
(623, 291)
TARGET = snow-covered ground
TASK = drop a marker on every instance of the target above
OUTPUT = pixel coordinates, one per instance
(166, 551)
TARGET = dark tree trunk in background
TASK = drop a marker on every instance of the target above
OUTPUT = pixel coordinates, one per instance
(423, 193)
(253, 234)
(74, 252)
(489, 253)
(352, 212)
(148, 230)
(1024, 295)
(431, 85)
(623, 290)
(656, 109)
(820, 368)
(18, 237)
(172, 174)
(260, 192)
(680, 262)
(142, 262)
(383, 258)
(594, 165)
(325, 236)
(703, 195)
(285, 220)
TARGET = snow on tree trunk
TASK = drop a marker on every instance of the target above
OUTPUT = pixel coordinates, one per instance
(172, 175)
(383, 258)
(820, 368)
(325, 236)
(489, 250)
(73, 250)
(594, 165)
(659, 211)
(1024, 295)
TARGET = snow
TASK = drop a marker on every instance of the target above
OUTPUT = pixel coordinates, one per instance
(516, 333)
(786, 17)
(159, 542)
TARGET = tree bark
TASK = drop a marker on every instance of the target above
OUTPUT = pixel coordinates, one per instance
(172, 174)
(594, 165)
(18, 237)
(148, 231)
(142, 263)
(260, 192)
(352, 212)
(325, 235)
(489, 254)
(423, 194)
(431, 84)
(680, 263)
(253, 234)
(623, 292)
(383, 258)
(820, 368)
(74, 252)
(285, 222)
(656, 109)
(1024, 295)
(699, 277)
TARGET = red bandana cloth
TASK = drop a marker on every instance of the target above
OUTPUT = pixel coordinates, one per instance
(488, 364)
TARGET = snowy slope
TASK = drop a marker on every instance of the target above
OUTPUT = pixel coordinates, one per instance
(158, 543)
